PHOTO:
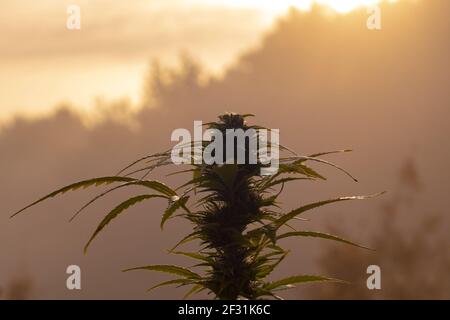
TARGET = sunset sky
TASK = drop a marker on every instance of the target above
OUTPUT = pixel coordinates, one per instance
(316, 73)
(43, 64)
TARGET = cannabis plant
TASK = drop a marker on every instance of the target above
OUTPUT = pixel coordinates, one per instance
(235, 215)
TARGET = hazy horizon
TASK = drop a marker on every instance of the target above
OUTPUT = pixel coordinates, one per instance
(45, 65)
(327, 82)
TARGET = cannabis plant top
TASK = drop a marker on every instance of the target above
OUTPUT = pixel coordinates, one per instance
(235, 215)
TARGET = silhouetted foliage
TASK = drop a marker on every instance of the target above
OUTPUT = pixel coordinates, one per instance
(412, 262)
(237, 220)
(18, 288)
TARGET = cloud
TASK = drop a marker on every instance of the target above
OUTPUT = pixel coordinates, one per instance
(325, 83)
(44, 64)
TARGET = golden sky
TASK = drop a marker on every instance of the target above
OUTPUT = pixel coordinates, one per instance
(42, 63)
(326, 81)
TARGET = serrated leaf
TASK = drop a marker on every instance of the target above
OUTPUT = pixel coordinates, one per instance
(194, 181)
(285, 218)
(195, 289)
(282, 180)
(299, 168)
(158, 186)
(172, 208)
(180, 271)
(152, 184)
(156, 155)
(268, 269)
(227, 174)
(193, 255)
(319, 235)
(297, 279)
(170, 282)
(118, 210)
(329, 152)
(190, 237)
(309, 172)
(303, 158)
(76, 186)
(179, 172)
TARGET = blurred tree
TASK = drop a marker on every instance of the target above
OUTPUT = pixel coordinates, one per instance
(414, 262)
(18, 288)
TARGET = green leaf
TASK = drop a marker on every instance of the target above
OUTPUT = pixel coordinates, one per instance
(193, 255)
(227, 174)
(194, 181)
(301, 168)
(265, 270)
(197, 173)
(150, 168)
(172, 208)
(303, 158)
(285, 218)
(153, 184)
(297, 279)
(282, 180)
(170, 282)
(157, 155)
(329, 152)
(158, 186)
(179, 271)
(190, 237)
(78, 185)
(195, 289)
(117, 210)
(318, 235)
(181, 171)
(298, 167)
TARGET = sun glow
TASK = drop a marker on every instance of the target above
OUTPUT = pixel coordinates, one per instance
(341, 6)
